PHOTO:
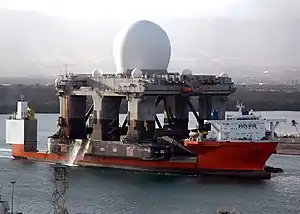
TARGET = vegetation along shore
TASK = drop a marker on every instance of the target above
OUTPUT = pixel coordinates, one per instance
(258, 97)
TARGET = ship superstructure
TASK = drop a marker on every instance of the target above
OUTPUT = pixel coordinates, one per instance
(245, 126)
(92, 135)
(239, 142)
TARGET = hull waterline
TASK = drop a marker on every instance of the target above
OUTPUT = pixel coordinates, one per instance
(210, 160)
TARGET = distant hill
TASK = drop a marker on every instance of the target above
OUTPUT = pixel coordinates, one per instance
(27, 80)
(35, 44)
(43, 99)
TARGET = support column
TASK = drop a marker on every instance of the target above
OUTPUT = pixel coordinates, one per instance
(169, 106)
(176, 107)
(218, 103)
(62, 106)
(110, 118)
(106, 118)
(141, 117)
(97, 101)
(204, 107)
(76, 123)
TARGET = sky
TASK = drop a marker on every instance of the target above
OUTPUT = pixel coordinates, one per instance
(123, 9)
(155, 9)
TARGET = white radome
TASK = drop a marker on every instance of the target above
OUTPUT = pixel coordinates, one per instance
(97, 73)
(136, 73)
(58, 80)
(187, 72)
(224, 75)
(143, 45)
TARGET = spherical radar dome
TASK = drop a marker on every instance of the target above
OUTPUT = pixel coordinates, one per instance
(143, 45)
(97, 73)
(136, 73)
(58, 80)
(225, 75)
(187, 72)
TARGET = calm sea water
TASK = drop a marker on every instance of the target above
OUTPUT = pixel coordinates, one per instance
(94, 190)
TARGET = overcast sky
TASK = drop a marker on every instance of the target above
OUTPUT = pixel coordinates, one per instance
(121, 8)
(136, 9)
(26, 36)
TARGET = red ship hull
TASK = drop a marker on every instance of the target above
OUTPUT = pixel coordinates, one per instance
(232, 155)
(246, 159)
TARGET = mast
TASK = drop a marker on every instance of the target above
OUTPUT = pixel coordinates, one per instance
(240, 106)
(66, 69)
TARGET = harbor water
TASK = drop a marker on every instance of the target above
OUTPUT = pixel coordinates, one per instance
(95, 190)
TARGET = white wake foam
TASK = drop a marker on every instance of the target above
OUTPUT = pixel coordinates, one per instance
(71, 165)
(73, 153)
(77, 150)
(5, 150)
(6, 157)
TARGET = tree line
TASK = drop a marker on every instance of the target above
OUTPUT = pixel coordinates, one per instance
(43, 99)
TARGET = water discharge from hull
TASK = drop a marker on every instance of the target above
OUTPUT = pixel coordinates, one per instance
(6, 157)
(73, 152)
(77, 151)
(86, 147)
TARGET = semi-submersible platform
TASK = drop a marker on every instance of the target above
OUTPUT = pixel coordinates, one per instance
(92, 135)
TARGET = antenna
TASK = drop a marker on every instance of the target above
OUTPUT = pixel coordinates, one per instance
(59, 179)
(22, 97)
(66, 69)
(240, 106)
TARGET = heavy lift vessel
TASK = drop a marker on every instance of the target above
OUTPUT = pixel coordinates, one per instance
(92, 136)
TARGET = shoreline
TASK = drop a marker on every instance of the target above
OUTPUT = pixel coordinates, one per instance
(43, 98)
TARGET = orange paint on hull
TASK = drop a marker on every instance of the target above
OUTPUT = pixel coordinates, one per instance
(232, 155)
(88, 160)
(18, 152)
(218, 158)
